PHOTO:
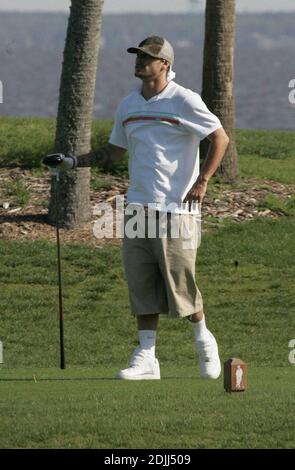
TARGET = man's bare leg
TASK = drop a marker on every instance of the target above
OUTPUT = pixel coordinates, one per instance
(198, 316)
(147, 322)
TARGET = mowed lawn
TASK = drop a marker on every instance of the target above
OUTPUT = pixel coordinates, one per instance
(246, 274)
(87, 408)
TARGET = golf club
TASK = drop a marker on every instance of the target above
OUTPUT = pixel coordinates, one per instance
(61, 314)
(53, 161)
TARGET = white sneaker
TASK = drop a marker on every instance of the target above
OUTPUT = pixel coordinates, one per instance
(209, 362)
(142, 366)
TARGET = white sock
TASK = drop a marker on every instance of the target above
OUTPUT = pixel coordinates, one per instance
(147, 340)
(200, 330)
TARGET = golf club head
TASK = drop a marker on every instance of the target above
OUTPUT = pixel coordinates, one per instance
(53, 160)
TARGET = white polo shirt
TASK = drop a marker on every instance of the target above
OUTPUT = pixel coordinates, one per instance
(162, 136)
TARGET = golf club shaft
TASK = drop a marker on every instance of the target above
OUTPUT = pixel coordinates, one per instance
(61, 316)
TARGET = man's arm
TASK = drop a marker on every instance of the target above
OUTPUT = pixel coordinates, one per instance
(101, 157)
(218, 145)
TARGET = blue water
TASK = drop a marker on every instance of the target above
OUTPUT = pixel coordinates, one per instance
(31, 58)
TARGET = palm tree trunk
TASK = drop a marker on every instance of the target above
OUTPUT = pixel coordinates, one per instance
(76, 98)
(218, 76)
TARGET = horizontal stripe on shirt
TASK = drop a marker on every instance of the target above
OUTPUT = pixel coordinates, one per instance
(151, 118)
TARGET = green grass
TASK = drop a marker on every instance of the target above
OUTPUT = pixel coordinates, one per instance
(262, 153)
(269, 144)
(88, 409)
(246, 275)
(18, 191)
(266, 154)
(24, 141)
(251, 166)
(250, 309)
(97, 183)
(277, 204)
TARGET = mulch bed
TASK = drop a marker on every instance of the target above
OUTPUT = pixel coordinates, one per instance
(30, 222)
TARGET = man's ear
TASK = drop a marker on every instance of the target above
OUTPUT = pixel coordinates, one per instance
(166, 63)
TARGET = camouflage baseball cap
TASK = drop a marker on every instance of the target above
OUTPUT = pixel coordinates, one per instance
(155, 46)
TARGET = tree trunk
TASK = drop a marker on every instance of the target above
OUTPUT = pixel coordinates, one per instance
(218, 77)
(74, 118)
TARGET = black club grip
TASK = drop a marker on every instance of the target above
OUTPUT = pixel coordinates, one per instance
(53, 160)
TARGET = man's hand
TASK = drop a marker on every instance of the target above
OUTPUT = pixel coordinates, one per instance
(218, 144)
(58, 162)
(197, 191)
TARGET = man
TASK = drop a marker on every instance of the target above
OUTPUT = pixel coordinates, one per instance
(161, 125)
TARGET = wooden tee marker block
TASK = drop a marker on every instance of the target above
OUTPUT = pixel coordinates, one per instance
(235, 375)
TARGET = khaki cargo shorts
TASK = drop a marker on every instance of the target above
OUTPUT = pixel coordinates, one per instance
(160, 270)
